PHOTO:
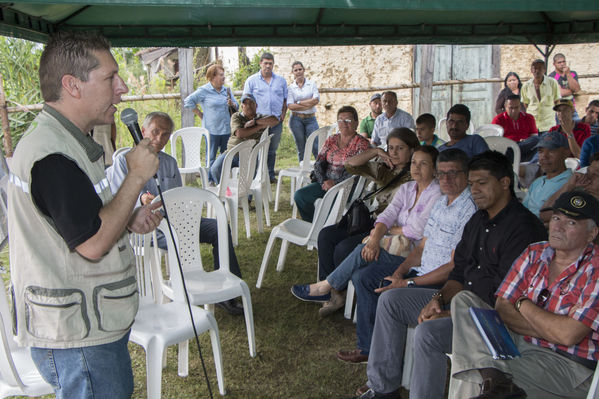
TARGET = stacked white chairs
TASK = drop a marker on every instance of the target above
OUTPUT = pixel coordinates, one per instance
(260, 185)
(298, 174)
(191, 143)
(185, 206)
(159, 325)
(501, 144)
(234, 186)
(328, 211)
(18, 374)
(572, 163)
(489, 130)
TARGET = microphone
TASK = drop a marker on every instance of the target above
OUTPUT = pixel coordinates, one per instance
(129, 118)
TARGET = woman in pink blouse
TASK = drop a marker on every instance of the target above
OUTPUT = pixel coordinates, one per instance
(406, 215)
(329, 168)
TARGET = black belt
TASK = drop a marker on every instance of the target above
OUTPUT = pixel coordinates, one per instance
(590, 364)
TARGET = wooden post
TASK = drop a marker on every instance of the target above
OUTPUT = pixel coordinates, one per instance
(7, 139)
(186, 84)
(427, 70)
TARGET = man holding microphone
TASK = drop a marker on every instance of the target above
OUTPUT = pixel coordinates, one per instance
(72, 269)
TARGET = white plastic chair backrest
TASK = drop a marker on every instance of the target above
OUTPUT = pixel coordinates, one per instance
(244, 150)
(265, 134)
(184, 206)
(8, 369)
(191, 140)
(119, 152)
(358, 190)
(321, 134)
(572, 163)
(489, 130)
(331, 206)
(501, 144)
(145, 257)
(260, 153)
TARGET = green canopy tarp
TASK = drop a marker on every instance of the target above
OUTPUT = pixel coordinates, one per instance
(181, 23)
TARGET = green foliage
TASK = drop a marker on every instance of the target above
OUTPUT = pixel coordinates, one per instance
(19, 60)
(246, 71)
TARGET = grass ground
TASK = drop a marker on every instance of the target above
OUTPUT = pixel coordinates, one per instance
(296, 348)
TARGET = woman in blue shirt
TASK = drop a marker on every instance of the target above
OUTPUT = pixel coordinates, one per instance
(214, 99)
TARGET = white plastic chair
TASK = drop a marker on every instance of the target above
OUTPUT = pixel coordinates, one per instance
(305, 167)
(489, 130)
(260, 185)
(191, 140)
(328, 211)
(185, 206)
(234, 187)
(572, 163)
(118, 152)
(594, 389)
(159, 325)
(501, 144)
(18, 374)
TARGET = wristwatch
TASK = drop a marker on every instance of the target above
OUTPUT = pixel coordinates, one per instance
(411, 283)
(519, 302)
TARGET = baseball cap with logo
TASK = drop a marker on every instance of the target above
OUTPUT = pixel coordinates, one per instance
(577, 205)
(552, 140)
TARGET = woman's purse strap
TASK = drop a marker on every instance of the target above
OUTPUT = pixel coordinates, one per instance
(391, 182)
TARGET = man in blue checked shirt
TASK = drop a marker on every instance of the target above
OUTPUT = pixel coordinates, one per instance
(270, 92)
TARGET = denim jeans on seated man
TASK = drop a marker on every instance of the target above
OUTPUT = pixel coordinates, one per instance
(301, 128)
(217, 167)
(353, 268)
(91, 372)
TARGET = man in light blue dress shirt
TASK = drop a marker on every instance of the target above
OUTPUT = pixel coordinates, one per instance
(270, 92)
(215, 99)
(391, 118)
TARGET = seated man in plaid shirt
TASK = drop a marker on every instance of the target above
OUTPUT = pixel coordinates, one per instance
(549, 301)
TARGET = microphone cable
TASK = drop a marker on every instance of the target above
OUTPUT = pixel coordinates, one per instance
(129, 118)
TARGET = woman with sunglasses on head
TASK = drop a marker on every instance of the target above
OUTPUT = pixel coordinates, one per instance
(329, 168)
(302, 100)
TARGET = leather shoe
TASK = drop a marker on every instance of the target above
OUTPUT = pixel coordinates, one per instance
(502, 389)
(232, 306)
(303, 292)
(337, 301)
(354, 356)
(362, 390)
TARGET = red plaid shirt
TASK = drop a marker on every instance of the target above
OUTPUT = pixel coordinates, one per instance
(574, 293)
(581, 132)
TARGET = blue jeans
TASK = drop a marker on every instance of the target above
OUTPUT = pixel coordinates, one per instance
(301, 128)
(304, 200)
(217, 167)
(275, 133)
(354, 267)
(101, 371)
(217, 143)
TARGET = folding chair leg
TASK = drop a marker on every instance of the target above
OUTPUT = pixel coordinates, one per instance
(277, 194)
(259, 206)
(154, 353)
(249, 317)
(246, 216)
(217, 354)
(266, 204)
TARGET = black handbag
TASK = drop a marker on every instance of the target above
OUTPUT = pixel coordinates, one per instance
(358, 218)
(232, 108)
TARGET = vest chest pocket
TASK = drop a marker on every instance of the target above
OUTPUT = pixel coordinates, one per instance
(116, 304)
(56, 314)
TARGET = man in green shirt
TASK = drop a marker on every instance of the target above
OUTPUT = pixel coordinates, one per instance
(367, 124)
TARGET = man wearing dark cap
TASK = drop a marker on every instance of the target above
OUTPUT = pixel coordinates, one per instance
(539, 95)
(575, 132)
(246, 124)
(367, 124)
(549, 300)
(553, 151)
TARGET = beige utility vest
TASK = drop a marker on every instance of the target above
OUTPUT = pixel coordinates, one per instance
(61, 299)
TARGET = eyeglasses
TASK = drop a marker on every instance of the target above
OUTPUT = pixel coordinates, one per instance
(348, 121)
(543, 297)
(452, 174)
